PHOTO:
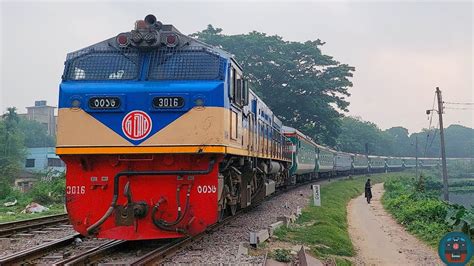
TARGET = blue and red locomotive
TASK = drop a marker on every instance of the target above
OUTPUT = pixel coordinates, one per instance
(162, 138)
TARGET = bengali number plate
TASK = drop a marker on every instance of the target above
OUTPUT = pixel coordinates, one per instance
(168, 102)
(104, 102)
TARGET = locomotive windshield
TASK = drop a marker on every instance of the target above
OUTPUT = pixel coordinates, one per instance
(186, 65)
(165, 64)
(103, 66)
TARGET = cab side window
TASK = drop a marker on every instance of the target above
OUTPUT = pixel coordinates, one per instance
(238, 89)
(231, 84)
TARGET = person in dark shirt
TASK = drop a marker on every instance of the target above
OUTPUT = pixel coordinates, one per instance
(368, 190)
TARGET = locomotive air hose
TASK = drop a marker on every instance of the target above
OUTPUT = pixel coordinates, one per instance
(163, 225)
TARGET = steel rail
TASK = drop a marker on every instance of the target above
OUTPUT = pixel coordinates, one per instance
(92, 255)
(10, 228)
(27, 255)
(157, 255)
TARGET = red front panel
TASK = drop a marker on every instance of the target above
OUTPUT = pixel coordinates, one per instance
(89, 193)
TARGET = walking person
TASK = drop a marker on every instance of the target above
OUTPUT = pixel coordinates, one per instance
(368, 190)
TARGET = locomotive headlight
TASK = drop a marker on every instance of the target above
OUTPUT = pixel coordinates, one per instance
(150, 38)
(136, 37)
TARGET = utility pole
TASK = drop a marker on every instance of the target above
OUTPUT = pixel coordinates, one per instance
(443, 150)
(367, 156)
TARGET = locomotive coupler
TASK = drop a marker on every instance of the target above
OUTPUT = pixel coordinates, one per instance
(127, 214)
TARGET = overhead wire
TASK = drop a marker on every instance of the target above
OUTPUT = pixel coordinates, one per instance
(465, 103)
(455, 108)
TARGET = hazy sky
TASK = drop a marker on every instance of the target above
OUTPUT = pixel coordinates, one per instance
(401, 50)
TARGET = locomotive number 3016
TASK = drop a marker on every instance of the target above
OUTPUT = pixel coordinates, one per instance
(75, 190)
(168, 102)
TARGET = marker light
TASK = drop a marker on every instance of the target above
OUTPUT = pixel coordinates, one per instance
(76, 103)
(171, 40)
(122, 40)
(199, 102)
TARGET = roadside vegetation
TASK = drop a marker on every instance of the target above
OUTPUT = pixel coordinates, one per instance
(324, 229)
(16, 135)
(49, 193)
(416, 204)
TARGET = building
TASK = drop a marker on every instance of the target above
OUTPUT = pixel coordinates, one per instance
(43, 160)
(39, 160)
(25, 180)
(43, 114)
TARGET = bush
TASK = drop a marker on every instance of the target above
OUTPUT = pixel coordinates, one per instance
(47, 192)
(5, 190)
(423, 213)
(282, 255)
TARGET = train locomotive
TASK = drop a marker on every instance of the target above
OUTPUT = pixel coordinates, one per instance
(162, 138)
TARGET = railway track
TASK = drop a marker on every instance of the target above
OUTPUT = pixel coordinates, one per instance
(163, 250)
(10, 228)
(30, 254)
(92, 255)
(158, 255)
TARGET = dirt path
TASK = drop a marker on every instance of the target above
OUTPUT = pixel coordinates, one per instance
(379, 240)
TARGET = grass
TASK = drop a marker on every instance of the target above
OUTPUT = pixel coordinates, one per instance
(324, 229)
(5, 217)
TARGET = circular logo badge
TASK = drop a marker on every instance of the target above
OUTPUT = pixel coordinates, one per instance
(455, 248)
(136, 125)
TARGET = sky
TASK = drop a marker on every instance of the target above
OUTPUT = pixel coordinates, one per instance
(402, 50)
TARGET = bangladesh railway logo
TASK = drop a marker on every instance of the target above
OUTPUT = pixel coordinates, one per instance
(136, 125)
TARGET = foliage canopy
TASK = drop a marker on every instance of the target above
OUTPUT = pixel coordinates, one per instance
(304, 87)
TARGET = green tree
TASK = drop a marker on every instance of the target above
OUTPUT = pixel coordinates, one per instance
(12, 151)
(304, 87)
(459, 142)
(36, 135)
(356, 133)
(401, 143)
